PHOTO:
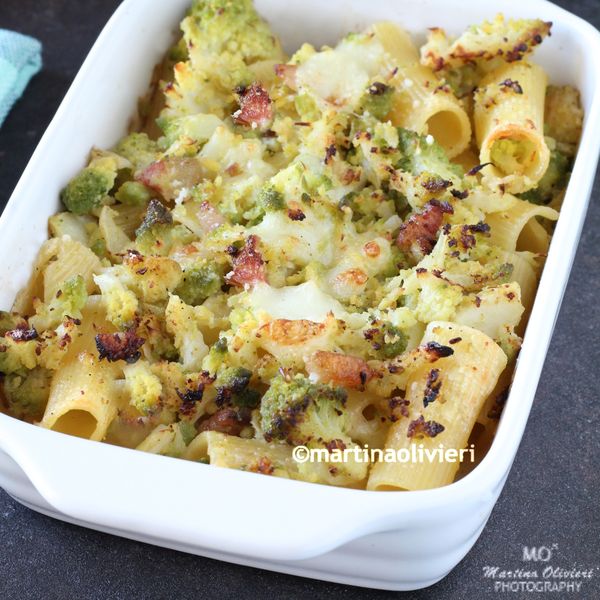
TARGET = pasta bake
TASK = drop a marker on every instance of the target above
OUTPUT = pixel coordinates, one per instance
(337, 249)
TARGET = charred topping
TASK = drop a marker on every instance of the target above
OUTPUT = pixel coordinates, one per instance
(477, 168)
(22, 334)
(432, 387)
(437, 351)
(330, 152)
(423, 227)
(515, 86)
(378, 89)
(477, 301)
(119, 346)
(192, 395)
(467, 239)
(398, 404)
(296, 214)
(455, 340)
(335, 445)
(499, 402)
(436, 184)
(420, 428)
(460, 195)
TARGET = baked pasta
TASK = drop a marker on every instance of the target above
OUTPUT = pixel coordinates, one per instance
(337, 249)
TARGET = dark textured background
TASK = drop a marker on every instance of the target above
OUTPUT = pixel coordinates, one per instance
(551, 496)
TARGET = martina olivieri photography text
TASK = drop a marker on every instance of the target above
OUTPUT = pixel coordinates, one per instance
(281, 299)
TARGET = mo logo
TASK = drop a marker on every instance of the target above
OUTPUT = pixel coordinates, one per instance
(538, 553)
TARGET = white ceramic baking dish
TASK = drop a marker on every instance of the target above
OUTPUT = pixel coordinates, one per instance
(389, 540)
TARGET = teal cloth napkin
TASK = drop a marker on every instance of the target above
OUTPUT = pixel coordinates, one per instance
(20, 60)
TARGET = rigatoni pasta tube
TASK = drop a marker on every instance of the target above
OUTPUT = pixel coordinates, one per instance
(508, 228)
(509, 126)
(422, 103)
(81, 401)
(449, 393)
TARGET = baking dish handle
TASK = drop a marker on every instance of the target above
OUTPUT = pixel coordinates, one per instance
(194, 506)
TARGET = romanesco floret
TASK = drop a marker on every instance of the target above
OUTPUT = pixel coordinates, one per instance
(199, 282)
(121, 303)
(422, 155)
(68, 302)
(133, 193)
(144, 387)
(158, 234)
(138, 149)
(232, 388)
(378, 100)
(300, 412)
(89, 189)
(218, 27)
(554, 180)
(27, 393)
(184, 323)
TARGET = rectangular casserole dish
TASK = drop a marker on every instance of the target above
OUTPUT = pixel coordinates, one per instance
(394, 540)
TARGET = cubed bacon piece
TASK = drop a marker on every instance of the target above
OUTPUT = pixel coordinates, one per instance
(168, 176)
(421, 229)
(339, 369)
(226, 420)
(248, 265)
(256, 109)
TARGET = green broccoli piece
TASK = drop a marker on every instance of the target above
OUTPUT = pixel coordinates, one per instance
(133, 193)
(418, 156)
(232, 388)
(300, 412)
(69, 302)
(199, 282)
(387, 340)
(158, 234)
(27, 393)
(138, 149)
(378, 100)
(271, 199)
(88, 190)
(230, 26)
(144, 387)
(554, 180)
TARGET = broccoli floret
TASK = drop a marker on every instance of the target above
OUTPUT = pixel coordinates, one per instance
(232, 388)
(230, 26)
(144, 387)
(69, 302)
(88, 190)
(121, 303)
(216, 356)
(200, 282)
(300, 412)
(271, 199)
(554, 180)
(420, 155)
(387, 340)
(158, 234)
(138, 149)
(133, 193)
(378, 100)
(27, 393)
